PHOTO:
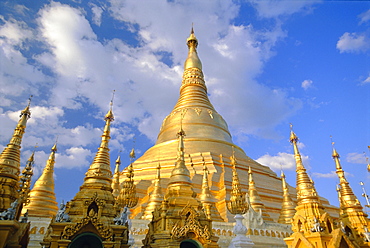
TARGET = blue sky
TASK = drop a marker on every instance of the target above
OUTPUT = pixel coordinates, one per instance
(266, 64)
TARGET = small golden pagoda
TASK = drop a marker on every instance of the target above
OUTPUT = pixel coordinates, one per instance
(42, 206)
(180, 221)
(207, 199)
(313, 226)
(116, 179)
(91, 219)
(288, 206)
(353, 220)
(42, 201)
(255, 200)
(156, 197)
(13, 233)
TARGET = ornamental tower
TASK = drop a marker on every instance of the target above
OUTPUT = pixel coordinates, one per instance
(288, 206)
(354, 221)
(311, 224)
(208, 141)
(12, 232)
(91, 218)
(180, 221)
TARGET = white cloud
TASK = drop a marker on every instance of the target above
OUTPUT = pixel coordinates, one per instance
(276, 8)
(366, 81)
(353, 42)
(282, 160)
(306, 84)
(74, 157)
(17, 76)
(365, 17)
(15, 32)
(97, 14)
(356, 158)
(331, 174)
(66, 30)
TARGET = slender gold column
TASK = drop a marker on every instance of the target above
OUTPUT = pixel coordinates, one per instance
(10, 163)
(27, 174)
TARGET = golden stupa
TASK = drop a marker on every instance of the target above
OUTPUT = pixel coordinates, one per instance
(92, 218)
(208, 143)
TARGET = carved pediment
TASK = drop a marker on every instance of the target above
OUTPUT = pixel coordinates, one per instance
(104, 231)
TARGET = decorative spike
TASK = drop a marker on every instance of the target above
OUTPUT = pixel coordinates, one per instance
(127, 196)
(115, 182)
(306, 191)
(180, 174)
(27, 173)
(237, 203)
(99, 174)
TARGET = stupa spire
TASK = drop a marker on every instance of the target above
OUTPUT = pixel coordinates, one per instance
(99, 174)
(156, 197)
(193, 91)
(115, 182)
(192, 60)
(288, 205)
(127, 197)
(254, 198)
(10, 162)
(205, 195)
(180, 174)
(42, 201)
(238, 203)
(306, 192)
(180, 187)
(351, 210)
(206, 198)
(27, 173)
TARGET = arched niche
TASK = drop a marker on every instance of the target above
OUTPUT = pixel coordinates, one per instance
(190, 243)
(86, 240)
